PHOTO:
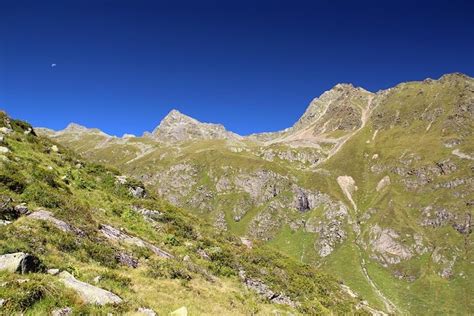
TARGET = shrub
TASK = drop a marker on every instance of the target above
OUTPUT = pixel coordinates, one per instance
(116, 279)
(171, 239)
(21, 126)
(12, 180)
(25, 295)
(101, 253)
(42, 195)
(222, 261)
(168, 269)
(46, 176)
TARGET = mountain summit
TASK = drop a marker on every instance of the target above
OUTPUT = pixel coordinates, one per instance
(176, 127)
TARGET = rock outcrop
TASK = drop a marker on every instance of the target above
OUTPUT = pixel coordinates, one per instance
(89, 293)
(62, 225)
(264, 291)
(20, 262)
(115, 234)
(387, 247)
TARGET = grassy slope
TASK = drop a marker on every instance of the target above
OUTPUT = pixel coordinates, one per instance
(399, 207)
(87, 195)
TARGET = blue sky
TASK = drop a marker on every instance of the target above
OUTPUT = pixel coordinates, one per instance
(251, 65)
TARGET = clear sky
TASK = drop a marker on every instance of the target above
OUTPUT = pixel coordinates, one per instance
(251, 65)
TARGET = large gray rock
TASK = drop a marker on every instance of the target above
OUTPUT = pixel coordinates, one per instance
(89, 293)
(19, 262)
(137, 192)
(263, 290)
(62, 225)
(386, 242)
(115, 234)
(126, 259)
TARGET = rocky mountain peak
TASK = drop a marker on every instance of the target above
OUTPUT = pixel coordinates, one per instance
(74, 127)
(176, 127)
(334, 100)
(175, 117)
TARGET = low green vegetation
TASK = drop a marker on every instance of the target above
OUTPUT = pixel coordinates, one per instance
(203, 274)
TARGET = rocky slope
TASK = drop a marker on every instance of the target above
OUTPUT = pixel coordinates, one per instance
(374, 187)
(177, 127)
(79, 238)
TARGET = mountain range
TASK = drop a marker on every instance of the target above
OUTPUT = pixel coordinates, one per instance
(373, 189)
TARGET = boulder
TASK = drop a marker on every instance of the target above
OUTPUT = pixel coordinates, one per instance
(53, 271)
(127, 260)
(20, 262)
(137, 192)
(21, 209)
(62, 225)
(89, 293)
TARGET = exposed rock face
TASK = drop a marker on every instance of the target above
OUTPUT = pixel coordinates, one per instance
(332, 102)
(348, 186)
(265, 224)
(177, 127)
(263, 290)
(127, 260)
(48, 217)
(384, 242)
(436, 218)
(220, 222)
(137, 192)
(465, 227)
(20, 262)
(115, 234)
(330, 228)
(89, 293)
(301, 200)
(176, 182)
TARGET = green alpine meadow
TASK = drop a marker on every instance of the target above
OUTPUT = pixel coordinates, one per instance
(363, 207)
